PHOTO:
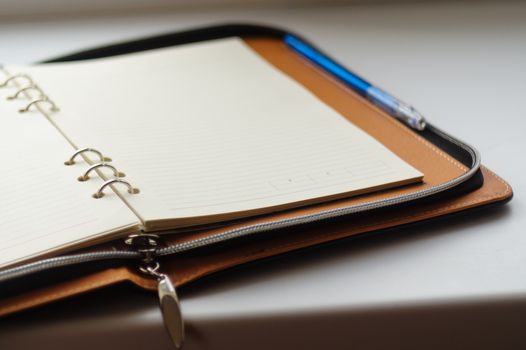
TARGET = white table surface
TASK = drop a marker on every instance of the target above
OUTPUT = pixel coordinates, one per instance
(461, 282)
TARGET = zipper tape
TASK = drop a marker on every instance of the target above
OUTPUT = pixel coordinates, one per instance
(67, 260)
(144, 247)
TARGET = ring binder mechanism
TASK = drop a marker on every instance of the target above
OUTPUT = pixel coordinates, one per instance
(71, 160)
(100, 193)
(27, 88)
(116, 173)
(43, 98)
(17, 76)
(101, 164)
(54, 107)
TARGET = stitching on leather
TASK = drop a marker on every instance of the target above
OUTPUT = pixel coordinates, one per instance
(508, 189)
(371, 107)
(287, 245)
(186, 278)
(189, 277)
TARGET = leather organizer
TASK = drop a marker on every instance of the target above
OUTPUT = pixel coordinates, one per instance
(454, 181)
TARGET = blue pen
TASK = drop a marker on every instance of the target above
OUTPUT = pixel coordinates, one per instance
(388, 103)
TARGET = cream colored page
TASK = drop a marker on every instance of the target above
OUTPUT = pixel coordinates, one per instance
(211, 128)
(43, 207)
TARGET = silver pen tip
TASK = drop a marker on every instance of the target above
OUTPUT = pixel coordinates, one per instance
(420, 123)
(411, 116)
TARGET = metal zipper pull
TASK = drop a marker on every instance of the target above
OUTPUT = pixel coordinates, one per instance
(169, 304)
(146, 244)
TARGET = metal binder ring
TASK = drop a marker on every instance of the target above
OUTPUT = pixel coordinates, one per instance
(71, 160)
(100, 193)
(54, 107)
(16, 76)
(27, 88)
(116, 173)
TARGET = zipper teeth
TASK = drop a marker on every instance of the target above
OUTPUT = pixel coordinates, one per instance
(252, 229)
(63, 261)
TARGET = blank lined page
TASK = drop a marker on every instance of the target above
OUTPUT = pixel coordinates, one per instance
(43, 208)
(211, 131)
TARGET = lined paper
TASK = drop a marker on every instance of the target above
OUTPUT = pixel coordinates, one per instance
(211, 131)
(43, 207)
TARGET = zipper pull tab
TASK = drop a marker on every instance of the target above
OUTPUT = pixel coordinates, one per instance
(169, 304)
(147, 244)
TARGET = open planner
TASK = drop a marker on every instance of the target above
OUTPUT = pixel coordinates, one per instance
(159, 161)
(170, 139)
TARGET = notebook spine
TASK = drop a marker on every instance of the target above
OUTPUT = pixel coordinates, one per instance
(24, 85)
(102, 163)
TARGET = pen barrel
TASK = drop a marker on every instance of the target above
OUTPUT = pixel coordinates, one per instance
(396, 108)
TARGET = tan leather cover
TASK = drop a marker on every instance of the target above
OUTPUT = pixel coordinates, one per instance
(437, 166)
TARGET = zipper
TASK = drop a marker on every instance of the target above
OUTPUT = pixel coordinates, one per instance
(335, 213)
(145, 247)
(146, 244)
(244, 231)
